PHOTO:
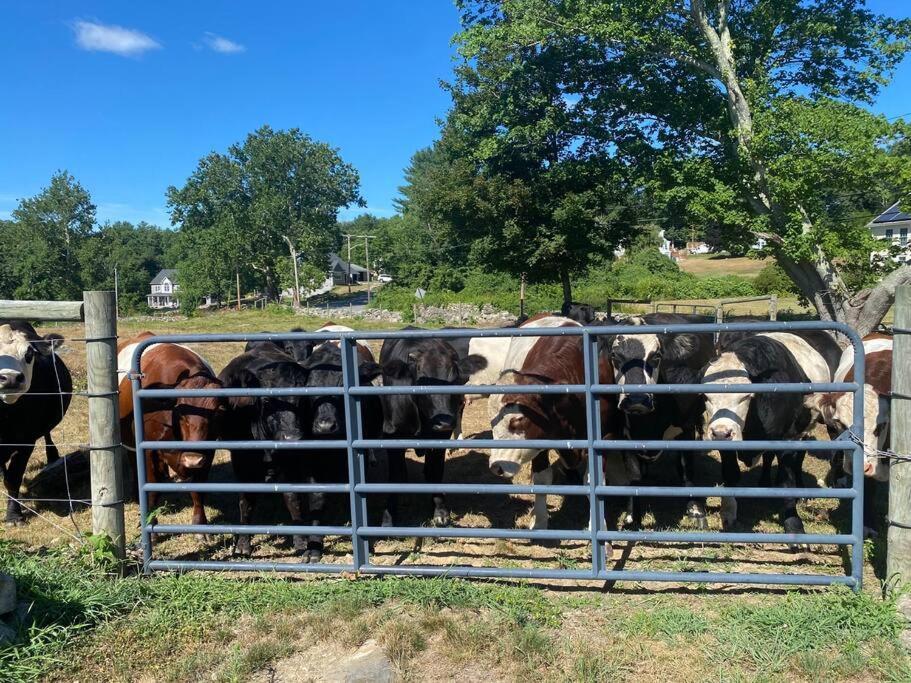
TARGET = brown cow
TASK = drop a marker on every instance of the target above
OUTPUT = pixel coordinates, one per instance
(838, 408)
(171, 366)
(545, 360)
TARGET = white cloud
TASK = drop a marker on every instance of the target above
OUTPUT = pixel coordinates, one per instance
(125, 42)
(223, 45)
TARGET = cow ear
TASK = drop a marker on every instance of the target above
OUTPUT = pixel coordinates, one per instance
(244, 380)
(369, 371)
(51, 343)
(470, 365)
(678, 347)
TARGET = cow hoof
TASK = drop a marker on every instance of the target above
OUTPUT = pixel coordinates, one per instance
(300, 545)
(700, 522)
(314, 556)
(870, 532)
(15, 522)
(243, 549)
(799, 548)
(387, 519)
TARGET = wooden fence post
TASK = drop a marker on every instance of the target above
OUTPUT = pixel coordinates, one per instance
(106, 461)
(898, 557)
(773, 307)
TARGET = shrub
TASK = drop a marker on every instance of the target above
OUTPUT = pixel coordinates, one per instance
(773, 280)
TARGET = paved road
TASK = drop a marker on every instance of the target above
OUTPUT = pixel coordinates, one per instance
(357, 301)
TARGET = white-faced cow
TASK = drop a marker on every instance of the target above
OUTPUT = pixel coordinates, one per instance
(421, 362)
(661, 359)
(35, 388)
(766, 357)
(543, 360)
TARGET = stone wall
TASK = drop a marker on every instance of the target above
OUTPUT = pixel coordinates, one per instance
(373, 314)
(463, 314)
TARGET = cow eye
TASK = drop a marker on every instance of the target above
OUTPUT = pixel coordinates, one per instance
(29, 354)
(615, 357)
(656, 358)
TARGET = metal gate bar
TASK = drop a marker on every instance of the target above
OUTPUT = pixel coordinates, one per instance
(595, 490)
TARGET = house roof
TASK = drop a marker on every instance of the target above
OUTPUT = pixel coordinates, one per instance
(891, 215)
(166, 273)
(336, 262)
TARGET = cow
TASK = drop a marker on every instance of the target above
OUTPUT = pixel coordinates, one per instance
(838, 408)
(298, 349)
(187, 418)
(544, 360)
(661, 359)
(581, 313)
(421, 362)
(35, 393)
(327, 421)
(266, 418)
(838, 414)
(763, 358)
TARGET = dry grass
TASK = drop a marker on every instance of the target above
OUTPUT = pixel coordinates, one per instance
(713, 264)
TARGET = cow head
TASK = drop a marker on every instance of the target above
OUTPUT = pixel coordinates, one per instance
(581, 313)
(725, 414)
(637, 360)
(837, 410)
(195, 419)
(524, 417)
(20, 347)
(298, 349)
(327, 413)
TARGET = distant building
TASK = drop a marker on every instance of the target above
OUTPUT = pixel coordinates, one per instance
(892, 226)
(339, 269)
(164, 290)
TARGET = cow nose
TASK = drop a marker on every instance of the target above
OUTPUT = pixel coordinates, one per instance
(869, 469)
(192, 461)
(442, 422)
(636, 404)
(722, 433)
(325, 427)
(11, 380)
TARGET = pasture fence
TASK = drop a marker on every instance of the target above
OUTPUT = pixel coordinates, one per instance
(597, 536)
(714, 308)
(98, 311)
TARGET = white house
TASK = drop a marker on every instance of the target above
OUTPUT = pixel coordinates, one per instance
(892, 225)
(164, 290)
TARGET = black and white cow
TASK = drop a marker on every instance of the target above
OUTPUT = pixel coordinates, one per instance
(766, 357)
(35, 392)
(421, 362)
(661, 359)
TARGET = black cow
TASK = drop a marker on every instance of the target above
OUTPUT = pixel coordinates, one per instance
(266, 418)
(761, 358)
(327, 421)
(299, 350)
(581, 313)
(35, 392)
(661, 359)
(422, 362)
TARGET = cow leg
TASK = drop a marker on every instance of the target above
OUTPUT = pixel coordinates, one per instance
(434, 462)
(730, 474)
(242, 542)
(12, 480)
(316, 503)
(765, 477)
(199, 510)
(541, 474)
(293, 503)
(398, 474)
(50, 449)
(790, 473)
(695, 507)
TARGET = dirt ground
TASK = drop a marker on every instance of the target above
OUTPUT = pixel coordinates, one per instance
(55, 524)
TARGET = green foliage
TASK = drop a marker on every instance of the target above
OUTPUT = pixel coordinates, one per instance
(773, 280)
(275, 194)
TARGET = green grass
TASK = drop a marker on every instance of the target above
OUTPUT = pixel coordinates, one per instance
(169, 627)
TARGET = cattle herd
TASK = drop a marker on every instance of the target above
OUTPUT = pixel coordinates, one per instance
(35, 386)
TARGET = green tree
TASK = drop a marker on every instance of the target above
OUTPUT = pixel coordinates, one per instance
(760, 99)
(47, 232)
(275, 195)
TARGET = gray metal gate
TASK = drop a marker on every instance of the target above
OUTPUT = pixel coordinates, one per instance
(596, 491)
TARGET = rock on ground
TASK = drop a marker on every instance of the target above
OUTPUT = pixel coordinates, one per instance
(368, 664)
(7, 594)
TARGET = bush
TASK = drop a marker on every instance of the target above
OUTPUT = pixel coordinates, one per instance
(773, 280)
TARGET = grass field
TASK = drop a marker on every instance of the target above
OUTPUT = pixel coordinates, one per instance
(194, 627)
(713, 264)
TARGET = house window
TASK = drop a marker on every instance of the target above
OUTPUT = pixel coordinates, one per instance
(903, 236)
(889, 233)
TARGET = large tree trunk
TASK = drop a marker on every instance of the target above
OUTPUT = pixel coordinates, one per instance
(296, 294)
(818, 281)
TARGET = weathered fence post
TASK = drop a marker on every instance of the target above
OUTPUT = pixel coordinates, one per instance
(773, 307)
(898, 558)
(104, 417)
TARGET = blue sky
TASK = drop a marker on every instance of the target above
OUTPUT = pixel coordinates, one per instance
(128, 96)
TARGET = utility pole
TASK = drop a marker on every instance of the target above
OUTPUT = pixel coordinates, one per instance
(348, 237)
(522, 297)
(237, 282)
(367, 239)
